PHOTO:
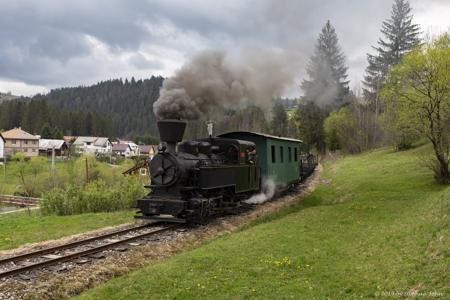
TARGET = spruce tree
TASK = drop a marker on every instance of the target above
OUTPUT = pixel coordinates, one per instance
(400, 36)
(279, 123)
(46, 131)
(327, 72)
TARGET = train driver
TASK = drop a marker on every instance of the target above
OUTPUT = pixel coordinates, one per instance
(251, 155)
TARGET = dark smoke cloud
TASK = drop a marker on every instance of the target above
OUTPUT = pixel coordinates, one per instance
(212, 81)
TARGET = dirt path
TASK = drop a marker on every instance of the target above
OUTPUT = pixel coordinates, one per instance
(56, 285)
(19, 210)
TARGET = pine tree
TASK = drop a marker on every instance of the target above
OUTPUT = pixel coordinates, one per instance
(400, 37)
(46, 131)
(279, 124)
(57, 133)
(327, 84)
(309, 119)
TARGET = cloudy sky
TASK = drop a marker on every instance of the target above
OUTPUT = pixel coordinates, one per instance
(52, 43)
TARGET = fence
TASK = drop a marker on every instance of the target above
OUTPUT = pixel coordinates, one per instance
(19, 200)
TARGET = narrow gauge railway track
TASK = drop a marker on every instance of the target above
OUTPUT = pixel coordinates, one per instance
(21, 263)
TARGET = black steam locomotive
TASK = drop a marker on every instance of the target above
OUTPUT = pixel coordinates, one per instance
(212, 175)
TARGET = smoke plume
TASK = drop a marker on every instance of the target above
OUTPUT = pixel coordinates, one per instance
(268, 191)
(212, 81)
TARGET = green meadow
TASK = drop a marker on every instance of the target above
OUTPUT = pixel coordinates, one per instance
(19, 228)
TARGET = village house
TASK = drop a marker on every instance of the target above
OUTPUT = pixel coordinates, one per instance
(69, 139)
(46, 147)
(2, 147)
(93, 145)
(135, 151)
(122, 149)
(18, 140)
(148, 150)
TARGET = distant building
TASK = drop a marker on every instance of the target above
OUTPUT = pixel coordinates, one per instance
(148, 150)
(135, 151)
(122, 149)
(93, 145)
(69, 139)
(46, 147)
(2, 147)
(18, 140)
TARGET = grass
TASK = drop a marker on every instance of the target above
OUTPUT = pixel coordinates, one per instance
(378, 226)
(25, 227)
(65, 172)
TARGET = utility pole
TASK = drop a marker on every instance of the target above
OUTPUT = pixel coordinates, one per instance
(4, 168)
(53, 162)
(87, 171)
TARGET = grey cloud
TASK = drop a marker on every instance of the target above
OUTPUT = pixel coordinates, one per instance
(141, 62)
(49, 42)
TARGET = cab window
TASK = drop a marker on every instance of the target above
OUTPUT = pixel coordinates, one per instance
(272, 150)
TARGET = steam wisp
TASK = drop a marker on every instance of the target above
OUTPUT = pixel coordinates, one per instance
(268, 191)
(211, 82)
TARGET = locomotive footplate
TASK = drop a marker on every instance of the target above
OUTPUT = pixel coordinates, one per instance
(160, 206)
(168, 219)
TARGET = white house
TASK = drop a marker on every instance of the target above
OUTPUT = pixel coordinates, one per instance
(135, 151)
(93, 145)
(2, 147)
(122, 149)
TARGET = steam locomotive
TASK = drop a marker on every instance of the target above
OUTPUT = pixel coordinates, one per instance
(209, 176)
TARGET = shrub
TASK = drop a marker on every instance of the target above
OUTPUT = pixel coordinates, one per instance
(97, 196)
(342, 132)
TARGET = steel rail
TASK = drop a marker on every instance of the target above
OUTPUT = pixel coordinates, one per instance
(71, 244)
(78, 254)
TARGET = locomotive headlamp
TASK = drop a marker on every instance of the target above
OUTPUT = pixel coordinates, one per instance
(162, 148)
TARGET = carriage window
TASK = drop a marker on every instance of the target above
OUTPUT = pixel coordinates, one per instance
(273, 153)
(289, 154)
(295, 154)
(281, 154)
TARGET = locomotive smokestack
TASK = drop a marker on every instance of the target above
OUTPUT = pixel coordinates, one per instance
(171, 131)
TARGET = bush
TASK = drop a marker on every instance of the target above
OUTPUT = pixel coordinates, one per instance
(342, 132)
(113, 159)
(18, 156)
(97, 196)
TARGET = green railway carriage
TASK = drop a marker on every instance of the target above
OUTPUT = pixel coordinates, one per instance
(278, 157)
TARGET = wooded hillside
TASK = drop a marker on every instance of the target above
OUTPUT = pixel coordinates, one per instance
(129, 103)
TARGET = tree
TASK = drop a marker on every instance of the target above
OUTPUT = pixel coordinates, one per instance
(327, 72)
(309, 119)
(400, 37)
(417, 95)
(342, 131)
(88, 124)
(57, 133)
(46, 131)
(279, 124)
